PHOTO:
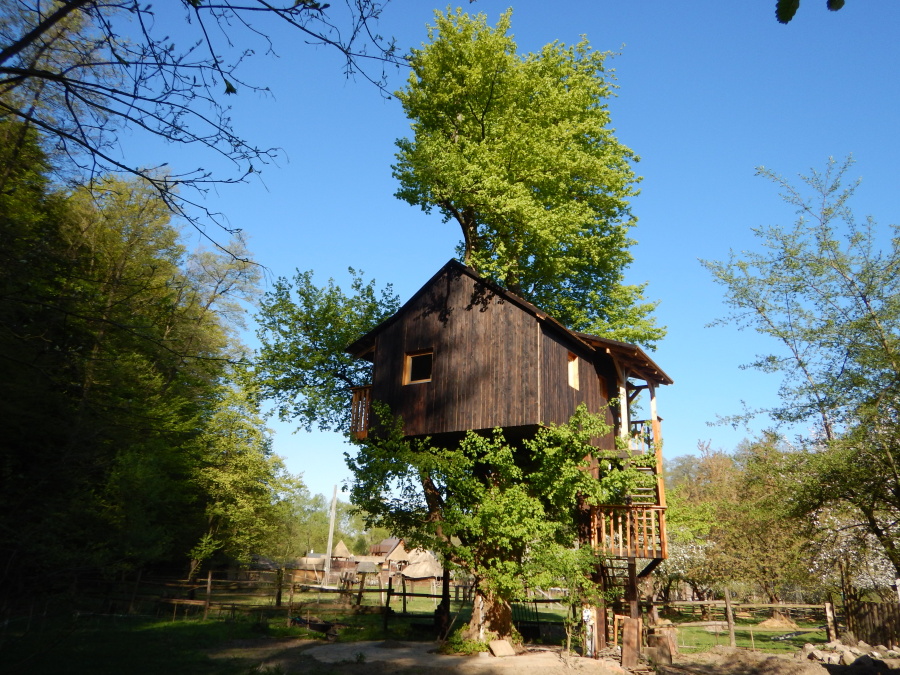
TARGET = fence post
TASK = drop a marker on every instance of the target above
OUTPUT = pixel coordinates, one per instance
(208, 593)
(403, 582)
(729, 617)
(279, 579)
(830, 629)
(387, 602)
(290, 600)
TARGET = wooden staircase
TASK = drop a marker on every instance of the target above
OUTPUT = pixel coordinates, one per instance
(637, 528)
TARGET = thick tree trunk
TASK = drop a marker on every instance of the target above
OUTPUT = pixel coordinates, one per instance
(491, 617)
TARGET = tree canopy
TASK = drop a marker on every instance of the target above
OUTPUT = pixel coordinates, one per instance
(499, 511)
(126, 436)
(827, 291)
(518, 151)
(304, 331)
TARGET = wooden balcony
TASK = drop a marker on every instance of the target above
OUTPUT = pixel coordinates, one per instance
(636, 531)
(359, 412)
(640, 438)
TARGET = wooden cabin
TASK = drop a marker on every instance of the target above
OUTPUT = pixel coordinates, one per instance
(464, 354)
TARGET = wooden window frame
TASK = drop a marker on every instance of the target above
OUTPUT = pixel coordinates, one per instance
(407, 366)
(573, 367)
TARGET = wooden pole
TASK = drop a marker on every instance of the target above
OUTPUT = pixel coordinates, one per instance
(362, 584)
(208, 594)
(830, 629)
(631, 593)
(134, 592)
(290, 601)
(403, 582)
(279, 582)
(387, 602)
(729, 617)
(330, 535)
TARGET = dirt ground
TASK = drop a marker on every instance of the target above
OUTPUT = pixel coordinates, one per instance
(311, 657)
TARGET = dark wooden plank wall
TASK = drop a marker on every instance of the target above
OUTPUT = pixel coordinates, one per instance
(495, 365)
(559, 400)
(485, 357)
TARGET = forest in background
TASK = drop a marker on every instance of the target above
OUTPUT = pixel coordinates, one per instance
(132, 436)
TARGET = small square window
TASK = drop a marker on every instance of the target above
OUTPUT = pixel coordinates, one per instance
(573, 371)
(418, 367)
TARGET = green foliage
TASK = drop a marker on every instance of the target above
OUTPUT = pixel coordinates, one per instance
(122, 436)
(785, 9)
(304, 331)
(303, 522)
(827, 296)
(495, 510)
(243, 483)
(517, 150)
(827, 291)
(730, 521)
(458, 643)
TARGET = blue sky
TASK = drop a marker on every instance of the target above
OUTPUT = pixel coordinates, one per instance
(708, 91)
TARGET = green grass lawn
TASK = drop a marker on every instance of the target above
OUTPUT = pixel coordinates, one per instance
(149, 645)
(66, 642)
(692, 639)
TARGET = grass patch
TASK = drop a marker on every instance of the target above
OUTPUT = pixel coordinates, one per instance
(133, 645)
(696, 638)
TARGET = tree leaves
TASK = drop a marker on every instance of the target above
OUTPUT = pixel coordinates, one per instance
(304, 330)
(517, 150)
(785, 9)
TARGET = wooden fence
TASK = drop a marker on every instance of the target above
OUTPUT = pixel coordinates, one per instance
(877, 623)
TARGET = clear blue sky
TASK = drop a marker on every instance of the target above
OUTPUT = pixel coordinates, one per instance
(709, 90)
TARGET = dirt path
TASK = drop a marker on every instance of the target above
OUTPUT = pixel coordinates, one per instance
(308, 657)
(312, 657)
(729, 661)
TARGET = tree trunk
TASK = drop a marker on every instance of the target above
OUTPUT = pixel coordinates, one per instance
(491, 618)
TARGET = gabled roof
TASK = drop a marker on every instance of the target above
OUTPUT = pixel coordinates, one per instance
(638, 363)
(341, 550)
(632, 356)
(385, 547)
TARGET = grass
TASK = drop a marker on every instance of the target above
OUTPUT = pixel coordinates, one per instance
(136, 645)
(148, 645)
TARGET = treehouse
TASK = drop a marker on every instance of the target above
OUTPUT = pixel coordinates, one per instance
(464, 354)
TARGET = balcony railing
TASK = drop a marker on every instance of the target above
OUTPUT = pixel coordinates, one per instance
(640, 438)
(636, 531)
(359, 412)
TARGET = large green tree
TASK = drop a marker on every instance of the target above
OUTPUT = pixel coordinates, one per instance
(500, 512)
(827, 291)
(517, 151)
(114, 358)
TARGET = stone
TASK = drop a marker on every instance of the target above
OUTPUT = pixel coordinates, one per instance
(818, 655)
(864, 646)
(501, 648)
(864, 661)
(834, 658)
(847, 658)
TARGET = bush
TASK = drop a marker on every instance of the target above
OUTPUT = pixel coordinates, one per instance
(457, 643)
